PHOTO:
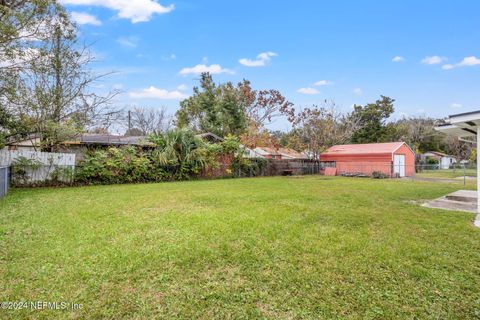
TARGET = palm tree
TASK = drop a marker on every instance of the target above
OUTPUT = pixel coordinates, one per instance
(181, 151)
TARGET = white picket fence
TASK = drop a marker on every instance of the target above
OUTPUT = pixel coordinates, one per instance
(48, 163)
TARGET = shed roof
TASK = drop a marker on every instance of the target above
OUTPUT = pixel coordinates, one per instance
(367, 148)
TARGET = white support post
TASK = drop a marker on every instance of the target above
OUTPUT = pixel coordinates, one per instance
(478, 170)
(477, 220)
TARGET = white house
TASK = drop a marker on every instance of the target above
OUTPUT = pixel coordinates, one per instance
(444, 160)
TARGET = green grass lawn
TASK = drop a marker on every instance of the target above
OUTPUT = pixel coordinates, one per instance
(276, 248)
(447, 173)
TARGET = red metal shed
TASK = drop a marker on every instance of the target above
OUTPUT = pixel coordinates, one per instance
(395, 159)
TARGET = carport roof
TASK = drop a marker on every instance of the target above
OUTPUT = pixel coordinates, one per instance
(462, 124)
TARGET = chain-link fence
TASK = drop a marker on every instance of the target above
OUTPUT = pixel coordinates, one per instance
(57, 175)
(454, 173)
(4, 181)
(459, 172)
(67, 175)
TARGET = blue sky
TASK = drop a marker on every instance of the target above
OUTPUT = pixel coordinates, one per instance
(425, 54)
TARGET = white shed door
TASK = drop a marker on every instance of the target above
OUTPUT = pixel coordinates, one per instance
(399, 164)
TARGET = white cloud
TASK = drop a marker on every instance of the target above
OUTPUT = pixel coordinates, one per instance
(200, 68)
(308, 90)
(456, 105)
(85, 18)
(130, 42)
(156, 93)
(169, 57)
(466, 62)
(469, 61)
(182, 87)
(261, 61)
(433, 60)
(133, 10)
(322, 83)
(358, 91)
(398, 59)
(448, 66)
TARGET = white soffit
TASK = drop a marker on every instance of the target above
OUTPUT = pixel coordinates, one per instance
(462, 125)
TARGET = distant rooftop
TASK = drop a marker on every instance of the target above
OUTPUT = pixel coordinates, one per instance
(109, 139)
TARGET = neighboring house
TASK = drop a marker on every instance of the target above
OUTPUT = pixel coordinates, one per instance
(268, 153)
(288, 153)
(394, 159)
(250, 153)
(444, 160)
(84, 142)
(279, 153)
(29, 143)
(108, 140)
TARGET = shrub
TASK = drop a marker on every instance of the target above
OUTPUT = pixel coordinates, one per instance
(183, 153)
(431, 160)
(61, 175)
(378, 175)
(22, 168)
(119, 165)
(249, 167)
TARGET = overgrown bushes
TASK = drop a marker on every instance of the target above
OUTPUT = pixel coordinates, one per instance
(178, 155)
(245, 167)
(120, 165)
(22, 168)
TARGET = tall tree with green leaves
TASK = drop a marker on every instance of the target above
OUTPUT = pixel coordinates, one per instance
(231, 109)
(213, 108)
(372, 121)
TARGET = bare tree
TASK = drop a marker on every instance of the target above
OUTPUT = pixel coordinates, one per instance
(23, 24)
(415, 130)
(323, 126)
(56, 91)
(150, 120)
(459, 149)
(262, 106)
